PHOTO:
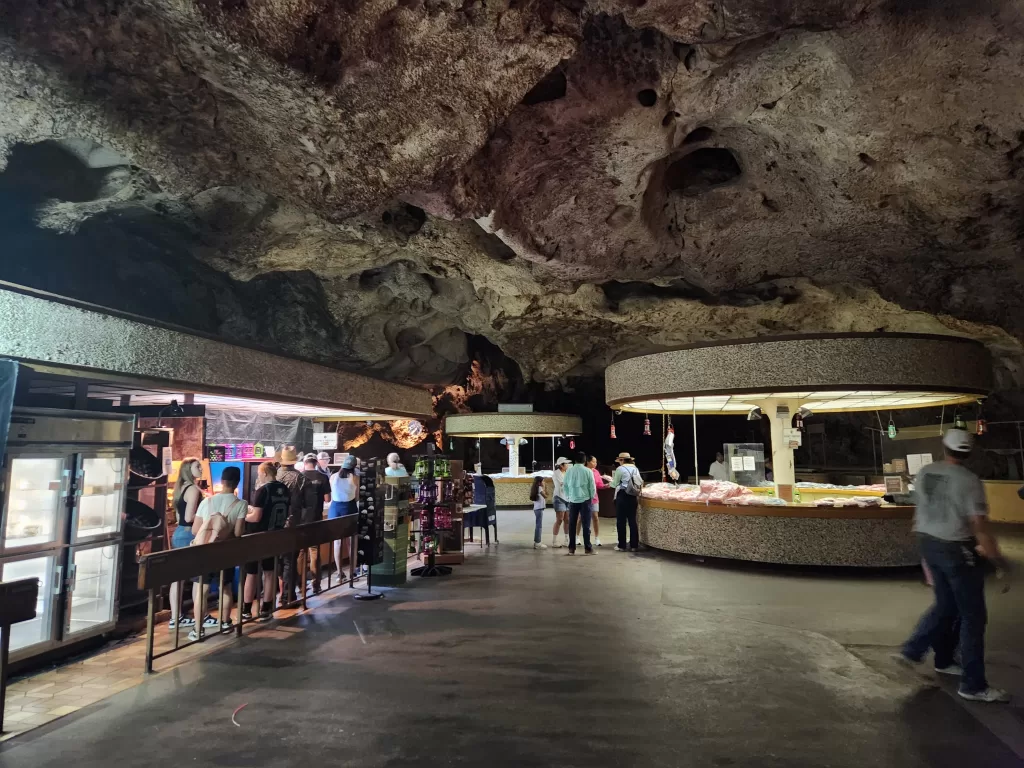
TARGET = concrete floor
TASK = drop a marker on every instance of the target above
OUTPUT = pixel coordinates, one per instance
(533, 658)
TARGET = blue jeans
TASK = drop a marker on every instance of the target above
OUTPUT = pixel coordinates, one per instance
(539, 513)
(579, 510)
(959, 579)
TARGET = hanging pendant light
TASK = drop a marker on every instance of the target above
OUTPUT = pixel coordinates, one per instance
(613, 426)
(647, 425)
(891, 431)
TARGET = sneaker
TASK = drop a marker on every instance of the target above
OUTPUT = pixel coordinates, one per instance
(556, 544)
(226, 625)
(571, 552)
(209, 621)
(589, 552)
(247, 615)
(597, 542)
(620, 549)
(538, 545)
(952, 669)
(989, 696)
(170, 624)
(187, 622)
(317, 589)
(266, 614)
(194, 635)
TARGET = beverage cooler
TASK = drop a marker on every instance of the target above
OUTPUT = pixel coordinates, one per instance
(64, 479)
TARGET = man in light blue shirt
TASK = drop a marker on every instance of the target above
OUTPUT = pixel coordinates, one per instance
(579, 489)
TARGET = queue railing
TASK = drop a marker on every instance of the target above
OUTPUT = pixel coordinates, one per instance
(161, 569)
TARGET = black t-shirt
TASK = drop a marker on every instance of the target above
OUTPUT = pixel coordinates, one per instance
(259, 499)
(315, 491)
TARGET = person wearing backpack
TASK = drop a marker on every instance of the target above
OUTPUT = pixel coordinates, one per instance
(292, 478)
(628, 485)
(268, 511)
(221, 516)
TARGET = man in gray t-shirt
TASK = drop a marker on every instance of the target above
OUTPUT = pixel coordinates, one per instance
(947, 495)
(952, 529)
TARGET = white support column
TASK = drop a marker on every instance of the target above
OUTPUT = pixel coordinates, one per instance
(513, 453)
(783, 465)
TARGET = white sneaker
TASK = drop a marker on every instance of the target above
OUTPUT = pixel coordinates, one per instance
(565, 542)
(597, 542)
(620, 549)
(989, 696)
(538, 545)
(194, 635)
(555, 544)
(952, 669)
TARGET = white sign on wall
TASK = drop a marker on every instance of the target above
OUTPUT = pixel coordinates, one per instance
(325, 441)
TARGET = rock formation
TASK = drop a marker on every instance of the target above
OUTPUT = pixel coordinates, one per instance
(378, 185)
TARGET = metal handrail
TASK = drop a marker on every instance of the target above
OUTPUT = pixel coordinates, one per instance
(159, 569)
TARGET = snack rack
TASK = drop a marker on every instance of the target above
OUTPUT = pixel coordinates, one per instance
(438, 501)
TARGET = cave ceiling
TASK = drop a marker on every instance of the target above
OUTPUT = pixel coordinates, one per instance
(375, 184)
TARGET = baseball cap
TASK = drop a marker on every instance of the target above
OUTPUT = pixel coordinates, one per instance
(562, 460)
(324, 455)
(309, 457)
(349, 462)
(958, 440)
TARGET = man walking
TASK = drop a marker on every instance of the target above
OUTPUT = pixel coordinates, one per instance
(951, 522)
(579, 489)
(627, 481)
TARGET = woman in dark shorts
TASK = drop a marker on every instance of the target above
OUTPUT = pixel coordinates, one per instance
(344, 489)
(186, 500)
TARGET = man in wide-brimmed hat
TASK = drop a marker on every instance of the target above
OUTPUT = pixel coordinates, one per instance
(625, 481)
(292, 478)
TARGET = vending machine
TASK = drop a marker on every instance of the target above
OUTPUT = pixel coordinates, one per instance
(62, 490)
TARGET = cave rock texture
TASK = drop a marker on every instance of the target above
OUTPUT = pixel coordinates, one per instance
(382, 185)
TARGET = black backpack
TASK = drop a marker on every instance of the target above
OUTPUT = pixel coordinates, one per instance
(275, 507)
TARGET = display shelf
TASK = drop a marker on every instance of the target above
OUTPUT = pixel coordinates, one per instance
(433, 533)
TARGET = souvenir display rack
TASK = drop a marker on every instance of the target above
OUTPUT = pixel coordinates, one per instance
(438, 499)
(371, 522)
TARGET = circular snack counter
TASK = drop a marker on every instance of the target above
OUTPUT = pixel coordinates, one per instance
(794, 534)
(512, 489)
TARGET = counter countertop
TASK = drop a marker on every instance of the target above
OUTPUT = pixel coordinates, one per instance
(888, 512)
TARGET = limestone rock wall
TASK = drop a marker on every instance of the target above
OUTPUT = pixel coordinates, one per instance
(377, 185)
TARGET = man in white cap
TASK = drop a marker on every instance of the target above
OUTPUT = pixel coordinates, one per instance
(560, 503)
(323, 464)
(951, 521)
(626, 481)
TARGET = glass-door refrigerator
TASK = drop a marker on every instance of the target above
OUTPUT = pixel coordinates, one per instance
(64, 478)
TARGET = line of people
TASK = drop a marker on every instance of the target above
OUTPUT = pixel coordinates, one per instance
(283, 496)
(574, 498)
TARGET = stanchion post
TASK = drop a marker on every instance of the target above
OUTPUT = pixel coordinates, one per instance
(150, 628)
(304, 557)
(5, 650)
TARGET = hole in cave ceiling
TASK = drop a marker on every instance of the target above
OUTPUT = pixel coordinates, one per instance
(701, 170)
(697, 135)
(550, 88)
(648, 97)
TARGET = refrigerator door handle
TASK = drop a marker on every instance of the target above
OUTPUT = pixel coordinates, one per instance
(58, 581)
(79, 482)
(72, 576)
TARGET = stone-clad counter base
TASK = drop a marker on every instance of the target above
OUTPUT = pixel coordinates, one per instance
(511, 492)
(827, 540)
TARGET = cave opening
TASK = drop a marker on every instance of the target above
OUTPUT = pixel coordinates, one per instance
(702, 170)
